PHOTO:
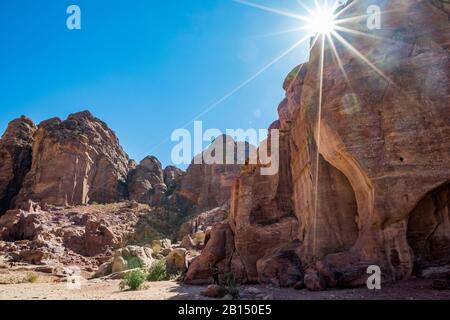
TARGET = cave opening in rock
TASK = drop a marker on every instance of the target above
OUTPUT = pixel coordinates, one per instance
(337, 216)
(429, 229)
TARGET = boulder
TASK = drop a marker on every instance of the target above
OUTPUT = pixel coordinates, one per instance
(187, 242)
(159, 245)
(216, 254)
(199, 238)
(131, 257)
(119, 264)
(18, 225)
(176, 261)
(281, 267)
(34, 256)
(314, 281)
(215, 291)
(325, 271)
(104, 270)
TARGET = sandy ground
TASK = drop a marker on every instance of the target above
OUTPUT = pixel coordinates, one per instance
(14, 286)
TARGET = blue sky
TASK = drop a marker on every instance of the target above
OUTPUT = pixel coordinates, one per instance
(145, 67)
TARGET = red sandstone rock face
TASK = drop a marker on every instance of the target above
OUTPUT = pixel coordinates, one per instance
(208, 186)
(76, 161)
(262, 215)
(15, 159)
(172, 178)
(215, 254)
(146, 182)
(390, 141)
(149, 183)
(383, 171)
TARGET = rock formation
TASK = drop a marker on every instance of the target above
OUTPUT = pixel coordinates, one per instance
(172, 178)
(149, 183)
(368, 183)
(15, 159)
(216, 254)
(76, 161)
(84, 236)
(146, 183)
(208, 185)
(383, 135)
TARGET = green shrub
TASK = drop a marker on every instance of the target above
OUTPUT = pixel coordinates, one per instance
(133, 280)
(158, 272)
(31, 278)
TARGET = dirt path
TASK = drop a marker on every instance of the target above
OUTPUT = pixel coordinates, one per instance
(105, 290)
(170, 290)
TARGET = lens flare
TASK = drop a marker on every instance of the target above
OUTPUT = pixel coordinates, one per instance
(323, 20)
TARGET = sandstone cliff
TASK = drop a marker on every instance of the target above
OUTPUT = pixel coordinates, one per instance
(387, 137)
(208, 185)
(76, 161)
(369, 182)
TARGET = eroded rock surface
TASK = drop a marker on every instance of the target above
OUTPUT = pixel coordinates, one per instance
(83, 236)
(368, 183)
(76, 161)
(146, 183)
(15, 159)
(209, 179)
(385, 130)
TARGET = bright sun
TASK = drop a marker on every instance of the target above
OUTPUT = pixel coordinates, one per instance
(322, 20)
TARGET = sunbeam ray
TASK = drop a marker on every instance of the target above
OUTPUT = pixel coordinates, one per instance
(363, 58)
(352, 19)
(338, 59)
(236, 89)
(318, 144)
(304, 6)
(365, 34)
(283, 32)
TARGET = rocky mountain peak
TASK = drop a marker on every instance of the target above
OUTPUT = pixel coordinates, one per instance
(15, 159)
(75, 161)
(19, 131)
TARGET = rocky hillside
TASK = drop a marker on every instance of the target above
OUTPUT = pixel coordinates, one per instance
(69, 194)
(79, 161)
(369, 183)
